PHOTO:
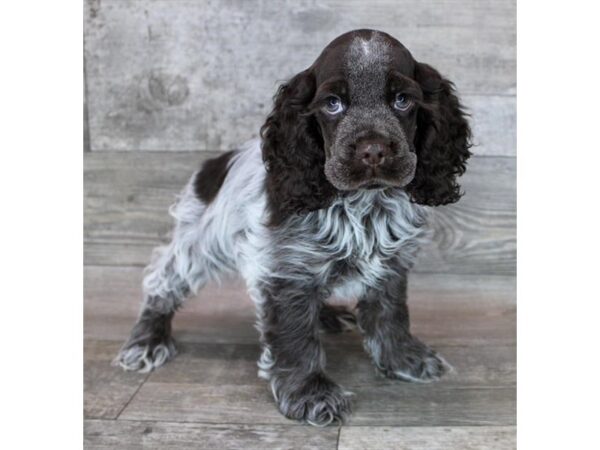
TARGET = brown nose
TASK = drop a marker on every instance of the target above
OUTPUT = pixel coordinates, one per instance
(373, 153)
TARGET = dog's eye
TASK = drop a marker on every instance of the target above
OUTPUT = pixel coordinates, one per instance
(402, 103)
(333, 105)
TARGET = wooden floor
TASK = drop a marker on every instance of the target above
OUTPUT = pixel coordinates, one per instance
(210, 396)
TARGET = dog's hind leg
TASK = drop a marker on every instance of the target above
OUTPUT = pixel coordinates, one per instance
(150, 344)
(178, 270)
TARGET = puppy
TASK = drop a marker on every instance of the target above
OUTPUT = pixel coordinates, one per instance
(330, 202)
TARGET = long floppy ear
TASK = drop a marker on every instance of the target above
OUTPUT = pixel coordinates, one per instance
(292, 148)
(442, 141)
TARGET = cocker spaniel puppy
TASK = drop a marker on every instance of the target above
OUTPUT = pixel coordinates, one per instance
(330, 202)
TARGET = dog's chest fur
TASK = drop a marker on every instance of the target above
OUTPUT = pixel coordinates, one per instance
(351, 243)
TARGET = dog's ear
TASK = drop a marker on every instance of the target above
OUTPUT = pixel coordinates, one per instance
(442, 141)
(292, 148)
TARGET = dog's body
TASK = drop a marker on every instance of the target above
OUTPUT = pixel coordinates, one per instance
(325, 205)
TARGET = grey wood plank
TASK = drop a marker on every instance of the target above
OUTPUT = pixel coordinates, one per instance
(397, 405)
(493, 122)
(106, 389)
(433, 405)
(470, 320)
(445, 309)
(347, 363)
(127, 195)
(473, 366)
(219, 383)
(428, 438)
(112, 298)
(188, 75)
(190, 402)
(477, 234)
(125, 434)
(461, 309)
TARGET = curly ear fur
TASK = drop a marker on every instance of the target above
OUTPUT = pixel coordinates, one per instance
(442, 141)
(293, 152)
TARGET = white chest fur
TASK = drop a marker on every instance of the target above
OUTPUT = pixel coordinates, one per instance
(361, 231)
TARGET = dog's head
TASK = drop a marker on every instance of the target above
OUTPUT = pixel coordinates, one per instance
(365, 115)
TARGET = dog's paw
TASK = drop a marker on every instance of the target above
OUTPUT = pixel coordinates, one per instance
(315, 400)
(415, 362)
(144, 357)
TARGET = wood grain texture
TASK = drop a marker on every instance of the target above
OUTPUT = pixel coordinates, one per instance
(125, 434)
(211, 393)
(433, 405)
(428, 438)
(493, 120)
(113, 297)
(128, 193)
(190, 402)
(107, 389)
(445, 309)
(347, 363)
(477, 234)
(189, 75)
(398, 405)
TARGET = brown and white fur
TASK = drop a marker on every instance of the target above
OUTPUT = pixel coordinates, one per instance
(329, 202)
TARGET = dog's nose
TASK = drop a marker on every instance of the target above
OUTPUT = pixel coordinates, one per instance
(373, 153)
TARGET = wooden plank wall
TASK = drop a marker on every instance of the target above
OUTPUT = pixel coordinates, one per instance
(171, 82)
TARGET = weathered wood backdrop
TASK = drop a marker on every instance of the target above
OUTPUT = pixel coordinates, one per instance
(170, 82)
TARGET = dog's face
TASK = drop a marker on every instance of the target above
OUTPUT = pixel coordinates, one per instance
(365, 103)
(364, 115)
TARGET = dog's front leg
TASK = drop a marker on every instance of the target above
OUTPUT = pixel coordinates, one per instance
(293, 358)
(384, 322)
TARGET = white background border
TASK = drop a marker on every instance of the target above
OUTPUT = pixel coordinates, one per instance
(41, 176)
(558, 178)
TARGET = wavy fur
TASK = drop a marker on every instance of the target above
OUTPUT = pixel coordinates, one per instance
(293, 152)
(323, 208)
(442, 142)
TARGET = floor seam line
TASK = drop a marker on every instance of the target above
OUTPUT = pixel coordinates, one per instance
(132, 397)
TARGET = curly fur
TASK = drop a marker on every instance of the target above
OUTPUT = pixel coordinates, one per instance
(293, 152)
(306, 218)
(293, 141)
(442, 141)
